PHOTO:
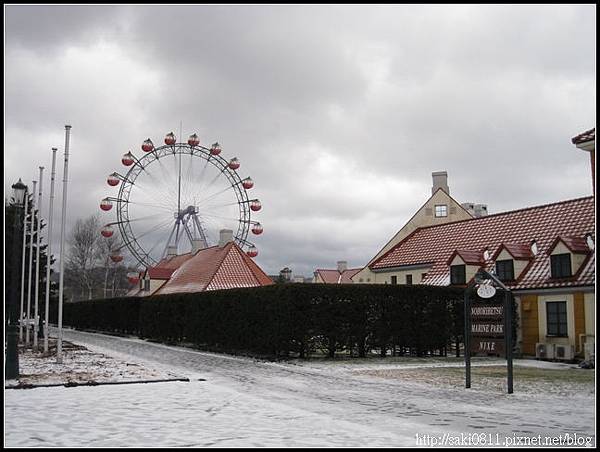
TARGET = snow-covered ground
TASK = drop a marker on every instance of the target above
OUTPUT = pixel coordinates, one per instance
(247, 402)
(80, 365)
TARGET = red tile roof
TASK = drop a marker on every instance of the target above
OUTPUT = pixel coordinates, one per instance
(160, 272)
(173, 262)
(516, 250)
(215, 268)
(435, 244)
(575, 244)
(468, 256)
(588, 135)
(335, 277)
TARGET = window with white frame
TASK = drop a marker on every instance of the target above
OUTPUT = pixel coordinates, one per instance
(441, 210)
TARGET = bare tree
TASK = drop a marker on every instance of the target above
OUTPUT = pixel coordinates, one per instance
(112, 270)
(89, 270)
(84, 255)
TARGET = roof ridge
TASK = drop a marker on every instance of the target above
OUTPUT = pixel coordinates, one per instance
(372, 261)
(470, 221)
(504, 213)
(253, 266)
(220, 262)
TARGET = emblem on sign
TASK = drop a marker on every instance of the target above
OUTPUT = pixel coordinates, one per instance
(486, 291)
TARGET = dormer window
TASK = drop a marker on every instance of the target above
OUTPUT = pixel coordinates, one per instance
(560, 265)
(441, 210)
(458, 274)
(567, 256)
(505, 270)
(463, 265)
(511, 260)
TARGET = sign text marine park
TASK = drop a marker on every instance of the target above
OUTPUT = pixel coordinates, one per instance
(487, 328)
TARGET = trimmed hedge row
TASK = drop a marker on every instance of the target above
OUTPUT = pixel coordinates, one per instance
(120, 315)
(288, 319)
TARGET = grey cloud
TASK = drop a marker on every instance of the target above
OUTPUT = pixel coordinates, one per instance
(492, 94)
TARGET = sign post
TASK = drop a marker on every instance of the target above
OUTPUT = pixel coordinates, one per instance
(508, 339)
(488, 324)
(467, 339)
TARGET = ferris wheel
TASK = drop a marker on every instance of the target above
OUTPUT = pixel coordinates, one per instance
(176, 199)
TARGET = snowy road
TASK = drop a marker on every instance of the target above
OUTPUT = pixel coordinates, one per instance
(245, 402)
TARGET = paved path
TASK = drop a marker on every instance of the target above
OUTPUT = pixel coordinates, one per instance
(256, 403)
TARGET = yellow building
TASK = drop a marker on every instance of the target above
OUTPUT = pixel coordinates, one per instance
(544, 254)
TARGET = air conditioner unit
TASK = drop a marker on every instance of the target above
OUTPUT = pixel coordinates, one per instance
(565, 352)
(544, 351)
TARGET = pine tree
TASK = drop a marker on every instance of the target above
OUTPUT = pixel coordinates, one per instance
(14, 263)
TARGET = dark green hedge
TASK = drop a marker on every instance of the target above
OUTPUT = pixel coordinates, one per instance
(288, 319)
(120, 315)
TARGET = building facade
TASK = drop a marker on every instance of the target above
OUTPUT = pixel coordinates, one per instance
(544, 254)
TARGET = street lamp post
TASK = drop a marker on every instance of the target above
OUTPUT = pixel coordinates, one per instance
(11, 364)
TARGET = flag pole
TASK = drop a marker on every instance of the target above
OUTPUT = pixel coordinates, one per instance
(62, 247)
(49, 251)
(26, 201)
(36, 324)
(31, 235)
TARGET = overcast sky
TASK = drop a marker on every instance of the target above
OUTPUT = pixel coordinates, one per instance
(339, 113)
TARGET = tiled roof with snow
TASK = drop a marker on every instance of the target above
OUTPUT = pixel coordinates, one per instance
(542, 224)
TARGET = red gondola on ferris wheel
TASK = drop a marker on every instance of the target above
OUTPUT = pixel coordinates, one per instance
(175, 198)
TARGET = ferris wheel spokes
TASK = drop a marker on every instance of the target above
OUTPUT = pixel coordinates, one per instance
(216, 200)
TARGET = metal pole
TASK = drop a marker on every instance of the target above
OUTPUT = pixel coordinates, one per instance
(26, 202)
(467, 339)
(62, 247)
(508, 336)
(36, 325)
(31, 234)
(49, 251)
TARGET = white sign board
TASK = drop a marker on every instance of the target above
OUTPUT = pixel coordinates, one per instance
(486, 291)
